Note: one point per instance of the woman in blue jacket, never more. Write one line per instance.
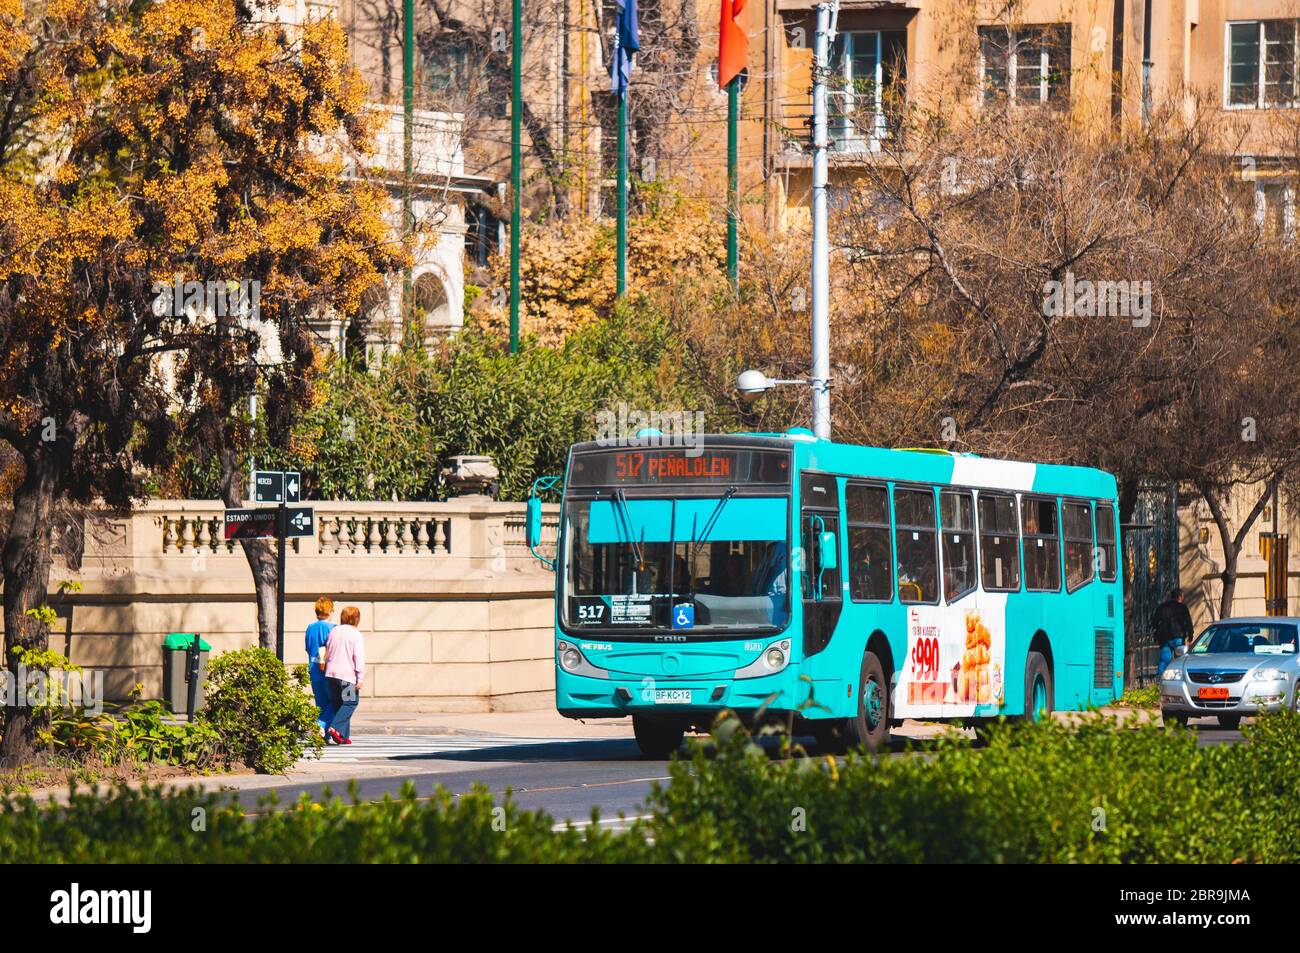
(318, 634)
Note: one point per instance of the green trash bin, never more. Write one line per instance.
(175, 689)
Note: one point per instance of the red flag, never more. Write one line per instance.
(733, 41)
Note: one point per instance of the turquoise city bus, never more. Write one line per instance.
(839, 588)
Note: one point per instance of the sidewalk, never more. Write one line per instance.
(539, 723)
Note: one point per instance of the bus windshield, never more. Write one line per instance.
(635, 564)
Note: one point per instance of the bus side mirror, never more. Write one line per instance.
(533, 530)
(827, 555)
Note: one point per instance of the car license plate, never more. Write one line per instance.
(673, 696)
(1215, 694)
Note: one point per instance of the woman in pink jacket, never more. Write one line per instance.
(345, 671)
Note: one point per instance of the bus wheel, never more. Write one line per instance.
(656, 738)
(870, 728)
(1038, 687)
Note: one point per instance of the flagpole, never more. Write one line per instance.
(733, 188)
(621, 245)
(516, 162)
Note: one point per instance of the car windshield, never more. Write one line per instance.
(1260, 638)
(633, 564)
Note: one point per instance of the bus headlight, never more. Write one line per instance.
(570, 658)
(775, 658)
(777, 655)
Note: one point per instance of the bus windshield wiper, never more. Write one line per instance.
(704, 534)
(712, 520)
(621, 499)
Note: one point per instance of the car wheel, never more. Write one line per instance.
(1038, 688)
(656, 738)
(869, 729)
(1230, 722)
(1179, 720)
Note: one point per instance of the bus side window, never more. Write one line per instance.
(1077, 520)
(1106, 542)
(957, 520)
(1042, 544)
(999, 543)
(870, 558)
(915, 542)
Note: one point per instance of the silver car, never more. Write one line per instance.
(1234, 667)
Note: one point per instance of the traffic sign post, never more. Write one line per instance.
(280, 523)
(281, 529)
(277, 486)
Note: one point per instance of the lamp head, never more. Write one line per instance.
(753, 384)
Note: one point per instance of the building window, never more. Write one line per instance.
(1261, 69)
(868, 68)
(1275, 209)
(446, 67)
(482, 234)
(1029, 64)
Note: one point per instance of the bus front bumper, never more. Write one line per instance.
(619, 695)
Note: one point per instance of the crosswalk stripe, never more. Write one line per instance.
(381, 747)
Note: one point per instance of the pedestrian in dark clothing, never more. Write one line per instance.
(1172, 625)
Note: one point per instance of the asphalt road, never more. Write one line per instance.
(564, 777)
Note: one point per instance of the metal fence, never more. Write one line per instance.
(1150, 571)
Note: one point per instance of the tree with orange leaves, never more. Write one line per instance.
(144, 145)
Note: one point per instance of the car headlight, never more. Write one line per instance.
(570, 657)
(1173, 675)
(1268, 675)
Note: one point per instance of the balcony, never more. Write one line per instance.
(853, 6)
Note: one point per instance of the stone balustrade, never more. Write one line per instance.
(458, 614)
(421, 529)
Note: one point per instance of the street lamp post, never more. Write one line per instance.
(752, 384)
(827, 15)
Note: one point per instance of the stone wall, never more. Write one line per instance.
(457, 614)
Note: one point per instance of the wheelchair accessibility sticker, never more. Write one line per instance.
(684, 616)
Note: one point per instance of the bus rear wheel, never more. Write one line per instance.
(657, 738)
(869, 729)
(1038, 687)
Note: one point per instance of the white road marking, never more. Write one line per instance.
(389, 747)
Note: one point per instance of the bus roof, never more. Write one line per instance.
(920, 465)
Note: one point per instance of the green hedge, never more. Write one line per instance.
(1097, 793)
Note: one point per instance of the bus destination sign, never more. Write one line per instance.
(680, 466)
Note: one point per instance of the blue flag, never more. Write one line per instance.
(626, 42)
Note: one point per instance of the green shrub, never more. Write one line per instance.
(1046, 793)
(1148, 698)
(144, 736)
(264, 715)
(1037, 794)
